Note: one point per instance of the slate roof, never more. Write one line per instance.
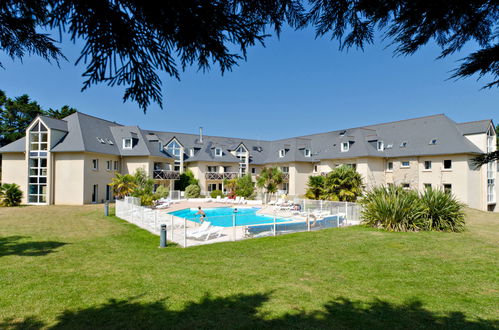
(92, 134)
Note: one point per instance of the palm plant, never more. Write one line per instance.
(269, 179)
(123, 185)
(393, 209)
(344, 184)
(10, 194)
(315, 186)
(443, 211)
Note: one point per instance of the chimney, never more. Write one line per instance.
(200, 135)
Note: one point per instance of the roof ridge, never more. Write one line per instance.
(474, 121)
(79, 130)
(95, 117)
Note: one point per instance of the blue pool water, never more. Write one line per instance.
(222, 216)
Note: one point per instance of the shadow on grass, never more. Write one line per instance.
(12, 245)
(241, 311)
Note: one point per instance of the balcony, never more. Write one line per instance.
(285, 176)
(221, 176)
(165, 175)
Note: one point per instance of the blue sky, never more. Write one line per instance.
(295, 86)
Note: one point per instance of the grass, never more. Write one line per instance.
(69, 267)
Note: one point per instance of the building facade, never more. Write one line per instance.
(71, 161)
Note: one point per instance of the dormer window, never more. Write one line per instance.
(191, 152)
(110, 142)
(433, 141)
(282, 153)
(101, 140)
(345, 146)
(389, 146)
(218, 152)
(342, 133)
(127, 143)
(403, 144)
(307, 153)
(160, 146)
(381, 146)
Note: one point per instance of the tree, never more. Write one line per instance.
(488, 157)
(315, 186)
(343, 183)
(269, 179)
(10, 195)
(123, 185)
(186, 179)
(245, 186)
(129, 43)
(16, 115)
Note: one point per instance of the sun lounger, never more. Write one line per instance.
(212, 230)
(204, 226)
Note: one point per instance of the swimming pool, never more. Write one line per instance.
(222, 216)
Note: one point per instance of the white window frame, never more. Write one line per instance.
(282, 153)
(380, 146)
(388, 169)
(109, 165)
(307, 153)
(116, 165)
(218, 152)
(125, 140)
(95, 164)
(424, 165)
(191, 152)
(345, 146)
(405, 166)
(316, 168)
(285, 169)
(446, 168)
(403, 144)
(253, 170)
(433, 142)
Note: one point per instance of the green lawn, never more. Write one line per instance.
(70, 267)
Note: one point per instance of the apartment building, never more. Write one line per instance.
(71, 161)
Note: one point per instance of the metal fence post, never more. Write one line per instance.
(346, 212)
(233, 226)
(308, 222)
(274, 225)
(185, 232)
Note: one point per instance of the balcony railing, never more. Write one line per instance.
(324, 173)
(165, 175)
(285, 176)
(221, 176)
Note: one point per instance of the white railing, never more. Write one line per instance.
(221, 176)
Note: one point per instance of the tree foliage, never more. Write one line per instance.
(245, 186)
(10, 195)
(343, 183)
(186, 179)
(123, 185)
(192, 191)
(16, 115)
(130, 43)
(269, 179)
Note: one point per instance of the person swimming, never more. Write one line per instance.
(201, 213)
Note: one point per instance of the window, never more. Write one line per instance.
(448, 188)
(108, 193)
(253, 170)
(127, 143)
(285, 169)
(342, 133)
(160, 146)
(116, 165)
(403, 144)
(447, 164)
(285, 187)
(307, 152)
(212, 169)
(381, 146)
(101, 140)
(108, 165)
(433, 142)
(174, 149)
(282, 153)
(427, 185)
(389, 166)
(345, 146)
(406, 164)
(389, 146)
(191, 152)
(406, 186)
(37, 175)
(316, 169)
(95, 191)
(427, 165)
(110, 142)
(95, 164)
(218, 152)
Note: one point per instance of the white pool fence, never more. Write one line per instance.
(310, 215)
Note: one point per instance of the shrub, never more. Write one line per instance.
(315, 185)
(443, 211)
(10, 195)
(216, 193)
(161, 192)
(394, 209)
(192, 191)
(343, 183)
(146, 200)
(186, 179)
(245, 186)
